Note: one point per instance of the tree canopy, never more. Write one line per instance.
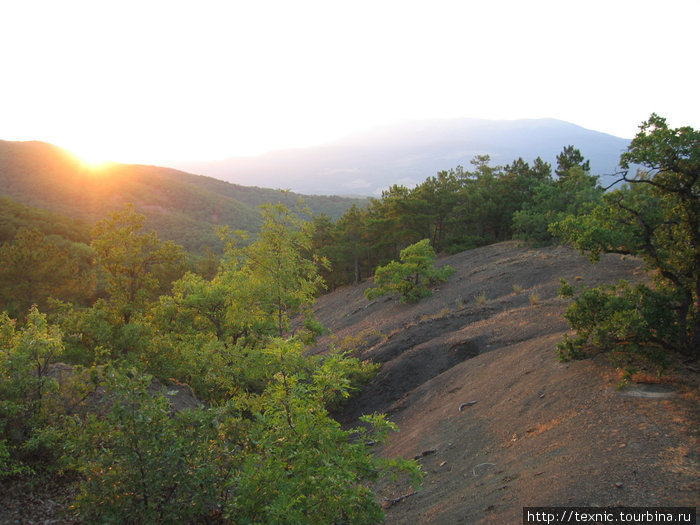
(655, 216)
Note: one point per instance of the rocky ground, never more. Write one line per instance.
(471, 377)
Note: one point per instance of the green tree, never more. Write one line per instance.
(144, 462)
(217, 327)
(436, 197)
(281, 269)
(351, 237)
(552, 201)
(25, 388)
(389, 225)
(656, 217)
(34, 269)
(138, 265)
(301, 466)
(412, 277)
(569, 158)
(271, 457)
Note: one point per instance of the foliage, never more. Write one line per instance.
(138, 265)
(571, 195)
(656, 216)
(627, 322)
(34, 269)
(569, 158)
(280, 267)
(216, 327)
(142, 463)
(266, 450)
(276, 457)
(26, 389)
(412, 277)
(302, 467)
(15, 217)
(458, 210)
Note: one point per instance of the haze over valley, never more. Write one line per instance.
(408, 152)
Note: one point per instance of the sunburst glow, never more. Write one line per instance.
(94, 161)
(254, 76)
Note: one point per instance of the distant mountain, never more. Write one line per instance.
(180, 206)
(409, 152)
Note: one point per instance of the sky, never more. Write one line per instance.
(152, 81)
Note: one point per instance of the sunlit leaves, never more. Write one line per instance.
(137, 265)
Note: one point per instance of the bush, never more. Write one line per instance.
(629, 323)
(273, 457)
(27, 391)
(142, 463)
(412, 277)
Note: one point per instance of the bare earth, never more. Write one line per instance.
(497, 422)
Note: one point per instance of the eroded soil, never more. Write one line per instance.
(471, 377)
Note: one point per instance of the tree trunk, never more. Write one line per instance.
(356, 262)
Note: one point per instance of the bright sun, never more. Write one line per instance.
(93, 160)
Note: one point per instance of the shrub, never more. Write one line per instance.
(273, 457)
(629, 323)
(412, 277)
(27, 391)
(142, 463)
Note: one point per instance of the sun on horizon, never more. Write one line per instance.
(94, 161)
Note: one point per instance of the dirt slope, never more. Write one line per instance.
(497, 422)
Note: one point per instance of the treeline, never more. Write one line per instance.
(457, 210)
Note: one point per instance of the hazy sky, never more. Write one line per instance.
(151, 81)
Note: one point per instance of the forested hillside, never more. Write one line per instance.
(181, 207)
(458, 209)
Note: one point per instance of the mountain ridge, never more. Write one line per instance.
(409, 152)
(180, 206)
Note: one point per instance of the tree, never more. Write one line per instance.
(138, 265)
(552, 201)
(570, 157)
(280, 267)
(33, 269)
(437, 197)
(25, 388)
(656, 216)
(350, 228)
(272, 457)
(412, 277)
(144, 462)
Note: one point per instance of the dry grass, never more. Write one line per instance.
(444, 312)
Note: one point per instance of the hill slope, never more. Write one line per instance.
(409, 152)
(496, 421)
(179, 206)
